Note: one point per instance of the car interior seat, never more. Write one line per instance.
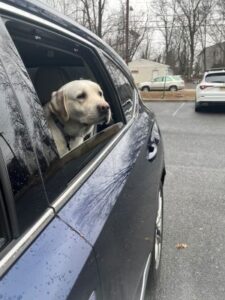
(48, 79)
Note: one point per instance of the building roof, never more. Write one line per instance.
(212, 46)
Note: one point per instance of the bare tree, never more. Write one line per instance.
(109, 25)
(191, 14)
(216, 30)
(165, 16)
(88, 13)
(147, 49)
(116, 38)
(70, 8)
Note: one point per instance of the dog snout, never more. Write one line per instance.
(103, 108)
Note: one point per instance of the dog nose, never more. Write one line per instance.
(103, 108)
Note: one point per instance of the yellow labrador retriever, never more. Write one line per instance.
(73, 111)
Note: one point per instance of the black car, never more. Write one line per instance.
(87, 225)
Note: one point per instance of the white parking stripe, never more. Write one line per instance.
(179, 108)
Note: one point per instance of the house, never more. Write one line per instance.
(212, 57)
(146, 70)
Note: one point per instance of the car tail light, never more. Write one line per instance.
(202, 87)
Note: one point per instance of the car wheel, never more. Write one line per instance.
(145, 89)
(156, 251)
(197, 107)
(173, 88)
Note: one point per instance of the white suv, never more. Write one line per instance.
(211, 90)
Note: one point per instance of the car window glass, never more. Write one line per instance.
(18, 153)
(123, 86)
(216, 78)
(52, 61)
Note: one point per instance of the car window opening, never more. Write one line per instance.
(51, 63)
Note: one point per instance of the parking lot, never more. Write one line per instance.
(194, 208)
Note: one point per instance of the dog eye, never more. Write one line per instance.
(81, 96)
(100, 93)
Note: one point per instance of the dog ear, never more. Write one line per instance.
(58, 105)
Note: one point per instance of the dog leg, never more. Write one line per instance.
(75, 142)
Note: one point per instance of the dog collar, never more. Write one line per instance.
(61, 128)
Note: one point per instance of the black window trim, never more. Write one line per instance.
(15, 249)
(5, 228)
(9, 198)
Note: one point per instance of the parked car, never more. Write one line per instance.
(86, 225)
(171, 83)
(211, 90)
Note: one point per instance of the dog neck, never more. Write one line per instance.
(72, 129)
(75, 129)
(61, 126)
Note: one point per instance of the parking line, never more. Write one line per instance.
(179, 108)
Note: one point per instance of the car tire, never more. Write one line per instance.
(173, 88)
(154, 271)
(145, 89)
(197, 107)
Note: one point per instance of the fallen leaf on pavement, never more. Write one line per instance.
(181, 246)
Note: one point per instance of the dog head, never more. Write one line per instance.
(81, 101)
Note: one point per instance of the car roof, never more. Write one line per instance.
(214, 71)
(41, 10)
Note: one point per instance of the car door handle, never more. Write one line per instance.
(152, 151)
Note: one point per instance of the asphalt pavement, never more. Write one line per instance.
(194, 204)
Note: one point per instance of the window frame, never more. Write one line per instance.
(18, 245)
(4, 224)
(103, 78)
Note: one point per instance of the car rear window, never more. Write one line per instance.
(216, 77)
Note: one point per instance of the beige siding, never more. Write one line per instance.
(144, 70)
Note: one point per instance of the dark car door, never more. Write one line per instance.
(116, 207)
(139, 169)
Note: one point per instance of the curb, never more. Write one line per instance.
(164, 100)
